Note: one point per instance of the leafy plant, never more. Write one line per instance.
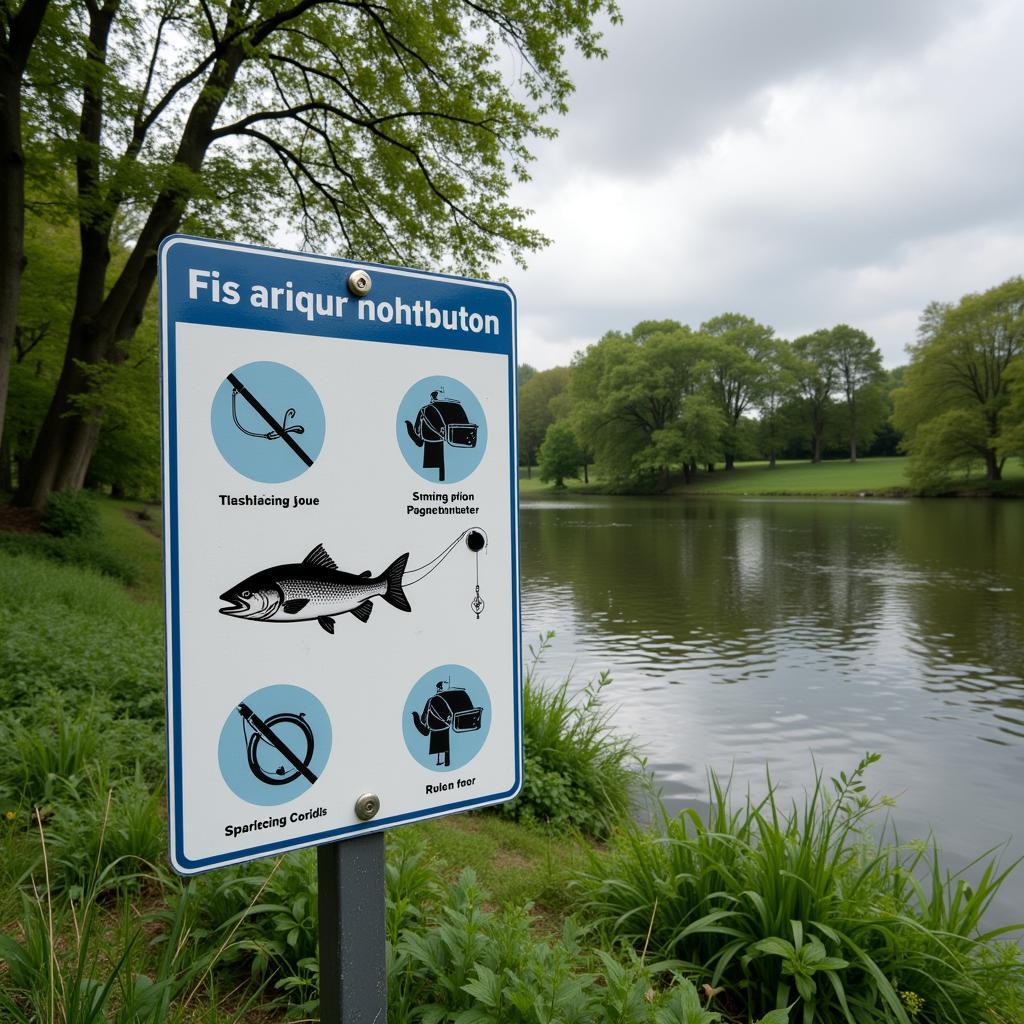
(71, 514)
(579, 773)
(766, 900)
(117, 828)
(43, 759)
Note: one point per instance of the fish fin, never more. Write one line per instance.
(365, 575)
(295, 605)
(327, 622)
(395, 595)
(362, 613)
(319, 558)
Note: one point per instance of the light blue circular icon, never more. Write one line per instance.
(442, 430)
(446, 718)
(268, 422)
(274, 745)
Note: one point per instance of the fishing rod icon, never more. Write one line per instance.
(278, 430)
(263, 731)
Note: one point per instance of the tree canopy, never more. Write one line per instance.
(387, 131)
(956, 400)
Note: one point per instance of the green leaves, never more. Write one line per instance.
(808, 904)
(802, 959)
(956, 406)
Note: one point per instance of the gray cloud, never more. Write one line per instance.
(679, 71)
(805, 163)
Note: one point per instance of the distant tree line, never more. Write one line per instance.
(664, 400)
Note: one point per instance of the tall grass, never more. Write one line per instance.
(800, 905)
(579, 771)
(74, 961)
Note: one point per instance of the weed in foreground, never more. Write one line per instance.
(801, 905)
(579, 772)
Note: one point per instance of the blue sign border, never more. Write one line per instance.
(176, 308)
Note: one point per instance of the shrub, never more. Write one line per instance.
(799, 905)
(85, 552)
(71, 514)
(579, 773)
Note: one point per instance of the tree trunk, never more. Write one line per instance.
(993, 466)
(20, 31)
(853, 429)
(6, 478)
(730, 460)
(68, 438)
(12, 221)
(586, 478)
(687, 473)
(771, 459)
(816, 451)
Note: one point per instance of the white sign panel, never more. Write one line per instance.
(340, 499)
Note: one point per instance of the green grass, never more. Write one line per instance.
(136, 539)
(534, 485)
(515, 864)
(834, 477)
(837, 477)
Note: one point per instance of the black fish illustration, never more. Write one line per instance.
(315, 588)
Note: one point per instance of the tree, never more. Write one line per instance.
(777, 385)
(386, 131)
(858, 368)
(44, 312)
(1011, 439)
(538, 410)
(956, 396)
(524, 373)
(560, 454)
(737, 354)
(815, 376)
(19, 31)
(626, 388)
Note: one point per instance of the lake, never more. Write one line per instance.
(742, 633)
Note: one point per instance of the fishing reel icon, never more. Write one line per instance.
(279, 748)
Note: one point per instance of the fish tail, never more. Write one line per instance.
(395, 595)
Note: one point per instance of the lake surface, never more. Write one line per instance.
(742, 633)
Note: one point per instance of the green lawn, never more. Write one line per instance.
(835, 477)
(138, 539)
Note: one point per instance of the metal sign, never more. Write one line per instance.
(340, 497)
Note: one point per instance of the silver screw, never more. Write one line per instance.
(359, 282)
(367, 806)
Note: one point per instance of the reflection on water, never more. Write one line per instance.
(744, 632)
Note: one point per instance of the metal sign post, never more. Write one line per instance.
(350, 902)
(340, 492)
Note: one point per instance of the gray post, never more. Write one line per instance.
(350, 901)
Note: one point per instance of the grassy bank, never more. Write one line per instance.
(867, 477)
(556, 908)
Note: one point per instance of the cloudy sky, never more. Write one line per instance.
(804, 162)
